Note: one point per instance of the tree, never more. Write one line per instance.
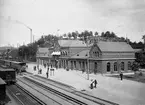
(102, 34)
(135, 66)
(69, 35)
(74, 35)
(112, 35)
(96, 33)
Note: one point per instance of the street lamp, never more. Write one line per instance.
(38, 55)
(87, 40)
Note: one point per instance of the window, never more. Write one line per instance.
(129, 65)
(66, 53)
(96, 54)
(122, 65)
(77, 54)
(80, 64)
(108, 66)
(71, 65)
(115, 66)
(75, 64)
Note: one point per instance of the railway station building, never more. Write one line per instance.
(100, 57)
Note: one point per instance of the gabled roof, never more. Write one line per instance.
(5, 48)
(71, 43)
(2, 82)
(81, 55)
(115, 47)
(44, 50)
(137, 50)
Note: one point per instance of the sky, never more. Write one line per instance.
(125, 18)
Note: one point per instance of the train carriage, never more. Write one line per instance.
(18, 66)
(2, 92)
(8, 75)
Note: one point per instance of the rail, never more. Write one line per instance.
(81, 94)
(58, 92)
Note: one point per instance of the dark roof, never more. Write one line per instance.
(1, 69)
(71, 43)
(82, 54)
(44, 50)
(5, 48)
(137, 50)
(2, 82)
(115, 47)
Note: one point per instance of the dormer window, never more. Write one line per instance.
(96, 54)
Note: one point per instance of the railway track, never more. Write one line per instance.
(66, 97)
(78, 93)
(22, 96)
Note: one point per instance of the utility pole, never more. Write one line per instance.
(87, 40)
(38, 55)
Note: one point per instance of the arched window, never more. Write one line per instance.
(75, 66)
(71, 65)
(63, 53)
(129, 65)
(122, 65)
(108, 66)
(97, 54)
(115, 66)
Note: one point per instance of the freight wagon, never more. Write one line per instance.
(8, 75)
(18, 66)
(2, 92)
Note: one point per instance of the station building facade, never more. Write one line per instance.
(100, 57)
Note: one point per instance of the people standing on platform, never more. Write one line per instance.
(121, 76)
(47, 74)
(40, 71)
(95, 82)
(38, 67)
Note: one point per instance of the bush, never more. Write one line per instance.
(135, 66)
(140, 74)
(67, 69)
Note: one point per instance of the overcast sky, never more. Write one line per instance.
(124, 17)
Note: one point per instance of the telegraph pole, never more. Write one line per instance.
(87, 40)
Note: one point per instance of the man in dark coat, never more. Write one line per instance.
(121, 76)
(95, 82)
(47, 74)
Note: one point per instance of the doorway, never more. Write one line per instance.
(95, 67)
(108, 67)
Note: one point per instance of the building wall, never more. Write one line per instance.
(95, 65)
(104, 65)
(118, 55)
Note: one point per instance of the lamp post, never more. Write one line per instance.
(87, 40)
(38, 56)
